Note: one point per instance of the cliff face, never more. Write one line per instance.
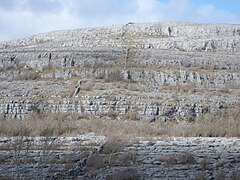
(157, 70)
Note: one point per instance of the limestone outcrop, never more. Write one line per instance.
(88, 157)
(160, 70)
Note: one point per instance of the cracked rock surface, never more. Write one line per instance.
(160, 70)
(88, 157)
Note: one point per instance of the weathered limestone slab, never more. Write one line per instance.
(158, 158)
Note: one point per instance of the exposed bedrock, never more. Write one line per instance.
(155, 69)
(88, 157)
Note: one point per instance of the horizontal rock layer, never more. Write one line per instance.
(158, 70)
(88, 157)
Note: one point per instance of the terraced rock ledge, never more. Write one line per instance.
(134, 101)
(158, 70)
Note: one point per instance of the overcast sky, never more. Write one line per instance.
(21, 18)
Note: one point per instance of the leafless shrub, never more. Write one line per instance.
(190, 118)
(97, 161)
(24, 151)
(129, 174)
(100, 86)
(220, 163)
(220, 175)
(48, 67)
(200, 175)
(28, 76)
(204, 164)
(3, 159)
(100, 74)
(235, 176)
(186, 158)
(19, 64)
(6, 178)
(114, 76)
(126, 159)
(184, 88)
(111, 98)
(68, 161)
(112, 114)
(87, 86)
(112, 146)
(47, 150)
(131, 115)
(81, 116)
(19, 150)
(138, 87)
(10, 67)
(171, 160)
(28, 160)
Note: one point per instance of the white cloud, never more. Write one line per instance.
(209, 13)
(206, 10)
(146, 6)
(19, 18)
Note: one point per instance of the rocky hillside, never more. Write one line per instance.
(154, 71)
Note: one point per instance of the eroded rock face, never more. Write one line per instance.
(95, 157)
(156, 69)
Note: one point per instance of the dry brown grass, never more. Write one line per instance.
(209, 125)
(132, 116)
(37, 125)
(138, 87)
(130, 127)
(112, 114)
(114, 76)
(27, 76)
(188, 87)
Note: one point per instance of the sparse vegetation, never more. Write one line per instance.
(113, 146)
(142, 82)
(20, 153)
(37, 125)
(28, 76)
(200, 175)
(186, 158)
(129, 174)
(227, 124)
(235, 176)
(114, 76)
(112, 114)
(132, 116)
(97, 161)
